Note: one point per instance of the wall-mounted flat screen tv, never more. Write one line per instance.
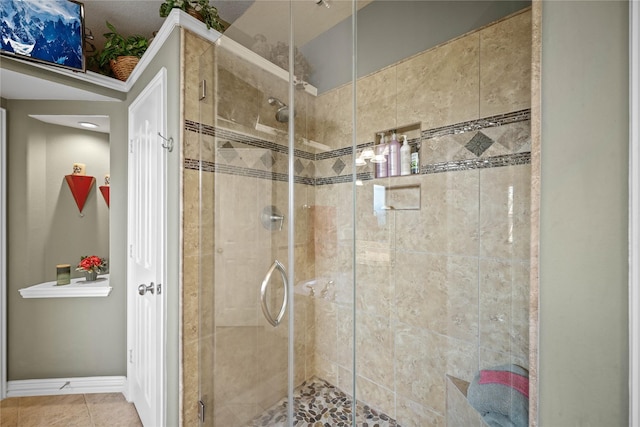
(47, 31)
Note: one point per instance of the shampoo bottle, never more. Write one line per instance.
(381, 158)
(405, 157)
(394, 156)
(415, 161)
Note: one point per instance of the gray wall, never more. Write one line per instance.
(63, 234)
(169, 57)
(583, 265)
(62, 337)
(389, 31)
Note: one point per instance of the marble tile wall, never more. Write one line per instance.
(442, 290)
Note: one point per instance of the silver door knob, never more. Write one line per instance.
(142, 289)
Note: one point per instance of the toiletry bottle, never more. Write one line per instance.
(380, 158)
(394, 156)
(415, 160)
(405, 157)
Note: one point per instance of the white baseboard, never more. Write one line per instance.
(59, 386)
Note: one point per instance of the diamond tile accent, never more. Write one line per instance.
(338, 166)
(228, 152)
(479, 144)
(267, 159)
(298, 166)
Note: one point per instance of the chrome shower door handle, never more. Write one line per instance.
(263, 294)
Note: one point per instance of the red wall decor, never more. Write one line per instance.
(104, 189)
(80, 186)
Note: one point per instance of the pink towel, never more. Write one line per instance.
(515, 381)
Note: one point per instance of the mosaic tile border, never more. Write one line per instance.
(474, 125)
(485, 163)
(205, 166)
(346, 151)
(317, 402)
(453, 166)
(245, 139)
(477, 145)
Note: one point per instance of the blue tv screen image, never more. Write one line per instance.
(50, 31)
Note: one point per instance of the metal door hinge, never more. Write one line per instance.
(130, 356)
(203, 90)
(201, 411)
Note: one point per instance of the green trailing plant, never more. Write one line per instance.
(208, 12)
(118, 45)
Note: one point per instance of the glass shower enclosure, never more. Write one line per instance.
(333, 289)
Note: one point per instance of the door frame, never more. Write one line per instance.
(131, 288)
(634, 213)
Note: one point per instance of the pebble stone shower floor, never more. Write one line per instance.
(317, 403)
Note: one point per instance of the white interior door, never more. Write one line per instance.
(146, 261)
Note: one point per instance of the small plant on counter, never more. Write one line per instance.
(199, 9)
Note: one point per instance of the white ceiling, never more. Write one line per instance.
(102, 122)
(309, 19)
(142, 16)
(268, 17)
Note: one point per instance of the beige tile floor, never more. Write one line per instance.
(77, 410)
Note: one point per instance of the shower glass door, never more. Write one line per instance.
(272, 275)
(244, 319)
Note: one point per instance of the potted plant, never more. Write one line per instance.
(199, 9)
(120, 53)
(91, 266)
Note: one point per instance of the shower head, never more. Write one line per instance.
(282, 115)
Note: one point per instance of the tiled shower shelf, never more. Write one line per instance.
(77, 288)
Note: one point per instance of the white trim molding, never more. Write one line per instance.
(634, 213)
(77, 288)
(60, 386)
